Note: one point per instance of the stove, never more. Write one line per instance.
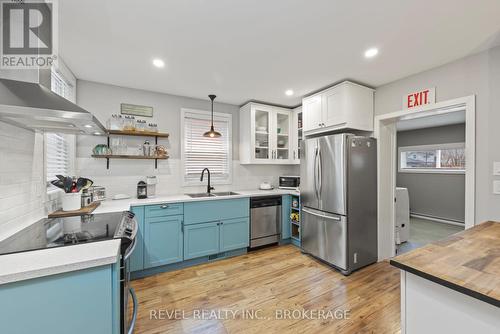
(49, 233)
(66, 232)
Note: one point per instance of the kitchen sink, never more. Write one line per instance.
(225, 193)
(197, 195)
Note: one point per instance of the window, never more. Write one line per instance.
(441, 158)
(58, 152)
(199, 152)
(60, 148)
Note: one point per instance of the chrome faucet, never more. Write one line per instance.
(209, 187)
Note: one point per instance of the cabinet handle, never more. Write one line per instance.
(294, 155)
(164, 206)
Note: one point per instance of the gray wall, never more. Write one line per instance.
(437, 195)
(480, 75)
(104, 100)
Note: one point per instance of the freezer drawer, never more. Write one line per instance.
(324, 236)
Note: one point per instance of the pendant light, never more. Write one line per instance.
(212, 133)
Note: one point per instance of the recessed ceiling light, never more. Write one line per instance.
(158, 63)
(289, 92)
(370, 53)
(97, 133)
(88, 126)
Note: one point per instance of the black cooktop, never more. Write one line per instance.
(48, 233)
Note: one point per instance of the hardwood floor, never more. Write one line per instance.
(266, 284)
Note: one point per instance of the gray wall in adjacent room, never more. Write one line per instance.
(436, 195)
(478, 75)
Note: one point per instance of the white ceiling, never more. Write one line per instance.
(457, 117)
(257, 49)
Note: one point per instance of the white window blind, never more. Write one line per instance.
(57, 155)
(62, 86)
(201, 152)
(59, 147)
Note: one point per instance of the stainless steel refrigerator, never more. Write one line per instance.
(338, 190)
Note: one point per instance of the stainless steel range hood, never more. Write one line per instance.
(35, 107)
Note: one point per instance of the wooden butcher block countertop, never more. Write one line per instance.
(468, 262)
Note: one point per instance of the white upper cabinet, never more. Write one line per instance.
(267, 135)
(344, 106)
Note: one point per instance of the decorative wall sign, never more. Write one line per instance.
(136, 110)
(419, 98)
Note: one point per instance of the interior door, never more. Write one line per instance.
(262, 140)
(308, 174)
(332, 176)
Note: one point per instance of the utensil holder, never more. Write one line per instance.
(71, 201)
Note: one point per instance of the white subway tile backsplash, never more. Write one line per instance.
(22, 186)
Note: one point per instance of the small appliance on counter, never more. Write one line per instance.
(266, 186)
(289, 182)
(151, 182)
(142, 190)
(98, 193)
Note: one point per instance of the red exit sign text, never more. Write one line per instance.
(420, 98)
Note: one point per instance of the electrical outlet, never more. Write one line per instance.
(496, 187)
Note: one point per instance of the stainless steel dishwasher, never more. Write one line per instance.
(265, 220)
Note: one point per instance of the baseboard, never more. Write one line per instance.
(438, 220)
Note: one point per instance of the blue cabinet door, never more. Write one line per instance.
(234, 234)
(78, 302)
(201, 240)
(162, 241)
(286, 228)
(137, 257)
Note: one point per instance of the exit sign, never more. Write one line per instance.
(419, 98)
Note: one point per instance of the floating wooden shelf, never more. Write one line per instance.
(81, 212)
(156, 135)
(135, 157)
(138, 133)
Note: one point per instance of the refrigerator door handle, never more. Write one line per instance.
(315, 172)
(320, 215)
(320, 174)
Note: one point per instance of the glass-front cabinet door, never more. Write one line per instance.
(262, 133)
(282, 135)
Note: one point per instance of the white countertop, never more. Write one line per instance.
(125, 204)
(32, 264)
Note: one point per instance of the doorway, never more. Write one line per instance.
(386, 128)
(430, 179)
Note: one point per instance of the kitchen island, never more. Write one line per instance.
(453, 285)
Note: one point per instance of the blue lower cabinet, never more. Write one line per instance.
(162, 241)
(80, 302)
(137, 258)
(201, 240)
(210, 211)
(234, 234)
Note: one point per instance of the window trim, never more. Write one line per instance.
(214, 179)
(429, 148)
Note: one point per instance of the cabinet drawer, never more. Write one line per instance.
(163, 210)
(215, 210)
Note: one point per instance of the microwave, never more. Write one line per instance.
(289, 182)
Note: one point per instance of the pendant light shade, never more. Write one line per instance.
(212, 133)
